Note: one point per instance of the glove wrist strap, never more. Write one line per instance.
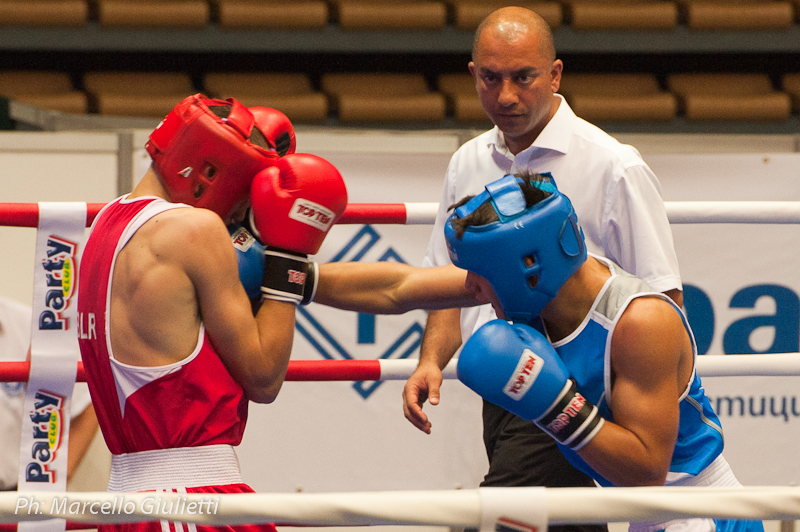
(284, 275)
(312, 279)
(572, 420)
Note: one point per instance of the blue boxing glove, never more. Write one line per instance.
(516, 368)
(250, 255)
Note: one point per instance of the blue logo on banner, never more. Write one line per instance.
(325, 343)
(736, 338)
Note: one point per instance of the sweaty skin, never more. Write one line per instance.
(651, 365)
(162, 291)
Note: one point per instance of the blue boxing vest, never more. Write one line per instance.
(586, 353)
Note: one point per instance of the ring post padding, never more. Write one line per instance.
(421, 213)
(397, 369)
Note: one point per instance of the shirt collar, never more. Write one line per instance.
(556, 135)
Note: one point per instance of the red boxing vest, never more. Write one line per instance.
(191, 403)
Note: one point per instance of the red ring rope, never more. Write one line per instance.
(769, 364)
(299, 370)
(27, 214)
(678, 212)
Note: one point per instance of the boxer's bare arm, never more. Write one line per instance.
(255, 350)
(391, 287)
(182, 270)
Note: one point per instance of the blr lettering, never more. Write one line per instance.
(87, 329)
(567, 414)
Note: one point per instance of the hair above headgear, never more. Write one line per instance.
(528, 253)
(207, 154)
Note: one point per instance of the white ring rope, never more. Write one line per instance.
(455, 508)
(745, 212)
(772, 364)
(678, 212)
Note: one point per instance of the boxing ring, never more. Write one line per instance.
(485, 508)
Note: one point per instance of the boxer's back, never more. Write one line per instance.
(154, 312)
(145, 401)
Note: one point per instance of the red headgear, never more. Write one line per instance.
(207, 152)
(276, 127)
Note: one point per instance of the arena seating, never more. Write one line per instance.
(467, 14)
(647, 15)
(729, 96)
(290, 93)
(272, 14)
(791, 84)
(43, 13)
(48, 90)
(355, 62)
(737, 14)
(618, 97)
(462, 100)
(389, 15)
(401, 98)
(151, 94)
(383, 98)
(153, 13)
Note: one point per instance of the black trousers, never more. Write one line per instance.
(521, 454)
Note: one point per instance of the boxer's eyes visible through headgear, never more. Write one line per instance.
(282, 143)
(209, 172)
(533, 280)
(259, 139)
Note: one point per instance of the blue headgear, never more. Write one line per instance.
(548, 232)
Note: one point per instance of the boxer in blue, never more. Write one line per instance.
(593, 356)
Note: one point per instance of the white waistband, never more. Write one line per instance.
(183, 467)
(717, 473)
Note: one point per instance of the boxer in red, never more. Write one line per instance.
(172, 349)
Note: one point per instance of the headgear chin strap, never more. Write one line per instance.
(206, 158)
(547, 232)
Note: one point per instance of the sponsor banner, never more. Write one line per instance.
(742, 295)
(54, 354)
(513, 510)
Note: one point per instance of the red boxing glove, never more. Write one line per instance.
(276, 127)
(295, 202)
(293, 205)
